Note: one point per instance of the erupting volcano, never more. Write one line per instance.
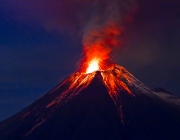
(102, 100)
(97, 103)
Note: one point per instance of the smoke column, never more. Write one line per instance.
(100, 23)
(103, 30)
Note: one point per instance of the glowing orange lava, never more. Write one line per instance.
(93, 66)
(116, 79)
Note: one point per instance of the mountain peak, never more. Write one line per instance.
(109, 104)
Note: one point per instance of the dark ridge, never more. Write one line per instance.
(160, 89)
(92, 115)
(89, 115)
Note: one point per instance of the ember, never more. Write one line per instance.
(93, 66)
(115, 79)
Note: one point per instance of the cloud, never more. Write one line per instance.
(70, 16)
(99, 23)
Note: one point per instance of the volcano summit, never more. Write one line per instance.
(105, 104)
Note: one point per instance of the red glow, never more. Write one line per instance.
(115, 79)
(97, 47)
(93, 66)
(96, 58)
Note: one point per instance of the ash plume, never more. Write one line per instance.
(77, 17)
(103, 30)
(98, 23)
(107, 21)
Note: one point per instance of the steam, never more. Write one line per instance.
(100, 23)
(104, 22)
(103, 30)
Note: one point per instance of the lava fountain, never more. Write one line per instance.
(115, 78)
(97, 59)
(93, 66)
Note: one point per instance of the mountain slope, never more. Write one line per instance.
(92, 110)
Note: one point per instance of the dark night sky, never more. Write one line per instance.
(40, 45)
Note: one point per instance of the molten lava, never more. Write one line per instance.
(116, 79)
(93, 66)
(97, 47)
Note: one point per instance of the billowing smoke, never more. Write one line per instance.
(104, 28)
(107, 21)
(100, 23)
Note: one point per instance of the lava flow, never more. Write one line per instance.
(97, 46)
(115, 79)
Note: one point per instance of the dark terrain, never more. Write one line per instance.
(92, 115)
